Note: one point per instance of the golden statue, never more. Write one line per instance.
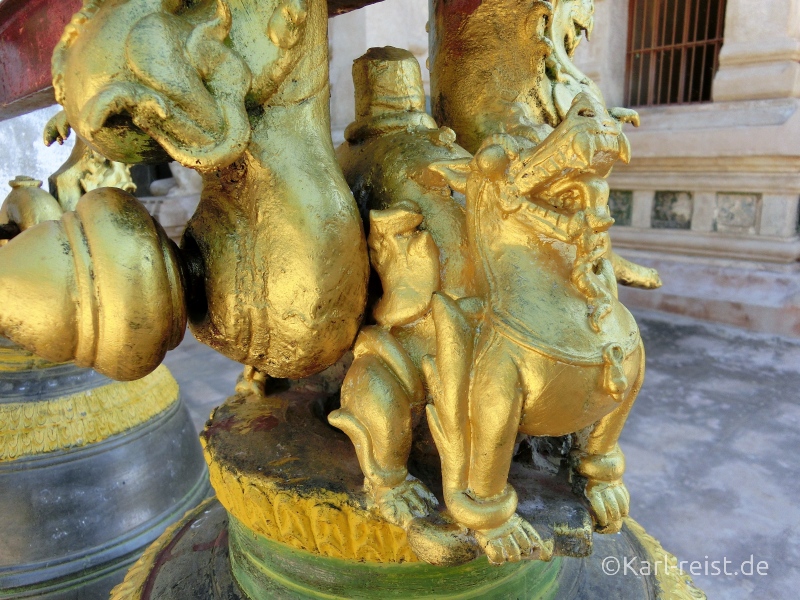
(497, 319)
(70, 433)
(479, 96)
(85, 170)
(272, 270)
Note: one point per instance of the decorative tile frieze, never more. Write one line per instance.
(779, 215)
(620, 204)
(737, 213)
(672, 210)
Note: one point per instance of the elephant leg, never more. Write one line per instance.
(598, 459)
(252, 382)
(377, 396)
(489, 505)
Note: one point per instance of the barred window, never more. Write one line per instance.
(673, 50)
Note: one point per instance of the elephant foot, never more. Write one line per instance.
(252, 382)
(513, 541)
(610, 502)
(404, 502)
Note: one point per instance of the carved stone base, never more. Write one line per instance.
(283, 472)
(293, 521)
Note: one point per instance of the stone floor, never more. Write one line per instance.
(709, 446)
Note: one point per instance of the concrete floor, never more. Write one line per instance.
(710, 447)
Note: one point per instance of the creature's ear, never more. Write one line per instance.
(455, 172)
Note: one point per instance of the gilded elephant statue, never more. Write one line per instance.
(272, 269)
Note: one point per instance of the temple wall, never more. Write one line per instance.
(711, 195)
(22, 151)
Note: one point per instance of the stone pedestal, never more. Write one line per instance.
(292, 520)
(91, 472)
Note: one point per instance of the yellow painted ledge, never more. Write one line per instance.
(323, 522)
(671, 580)
(286, 475)
(29, 428)
(14, 360)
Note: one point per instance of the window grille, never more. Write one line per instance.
(673, 50)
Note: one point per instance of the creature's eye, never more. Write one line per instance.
(587, 112)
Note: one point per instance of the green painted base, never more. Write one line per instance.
(211, 556)
(267, 569)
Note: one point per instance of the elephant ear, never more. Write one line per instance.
(192, 106)
(455, 172)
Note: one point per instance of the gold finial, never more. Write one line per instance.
(23, 181)
(387, 80)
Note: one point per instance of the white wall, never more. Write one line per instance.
(399, 23)
(603, 58)
(22, 151)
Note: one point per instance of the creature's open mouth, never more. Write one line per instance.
(550, 216)
(556, 211)
(583, 26)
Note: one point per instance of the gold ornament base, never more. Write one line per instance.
(283, 472)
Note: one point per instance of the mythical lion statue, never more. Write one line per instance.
(499, 314)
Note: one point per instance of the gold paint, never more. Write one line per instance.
(64, 283)
(504, 302)
(278, 229)
(102, 286)
(479, 87)
(672, 582)
(84, 171)
(132, 587)
(28, 204)
(33, 428)
(273, 267)
(634, 275)
(320, 521)
(87, 170)
(15, 360)
(499, 313)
